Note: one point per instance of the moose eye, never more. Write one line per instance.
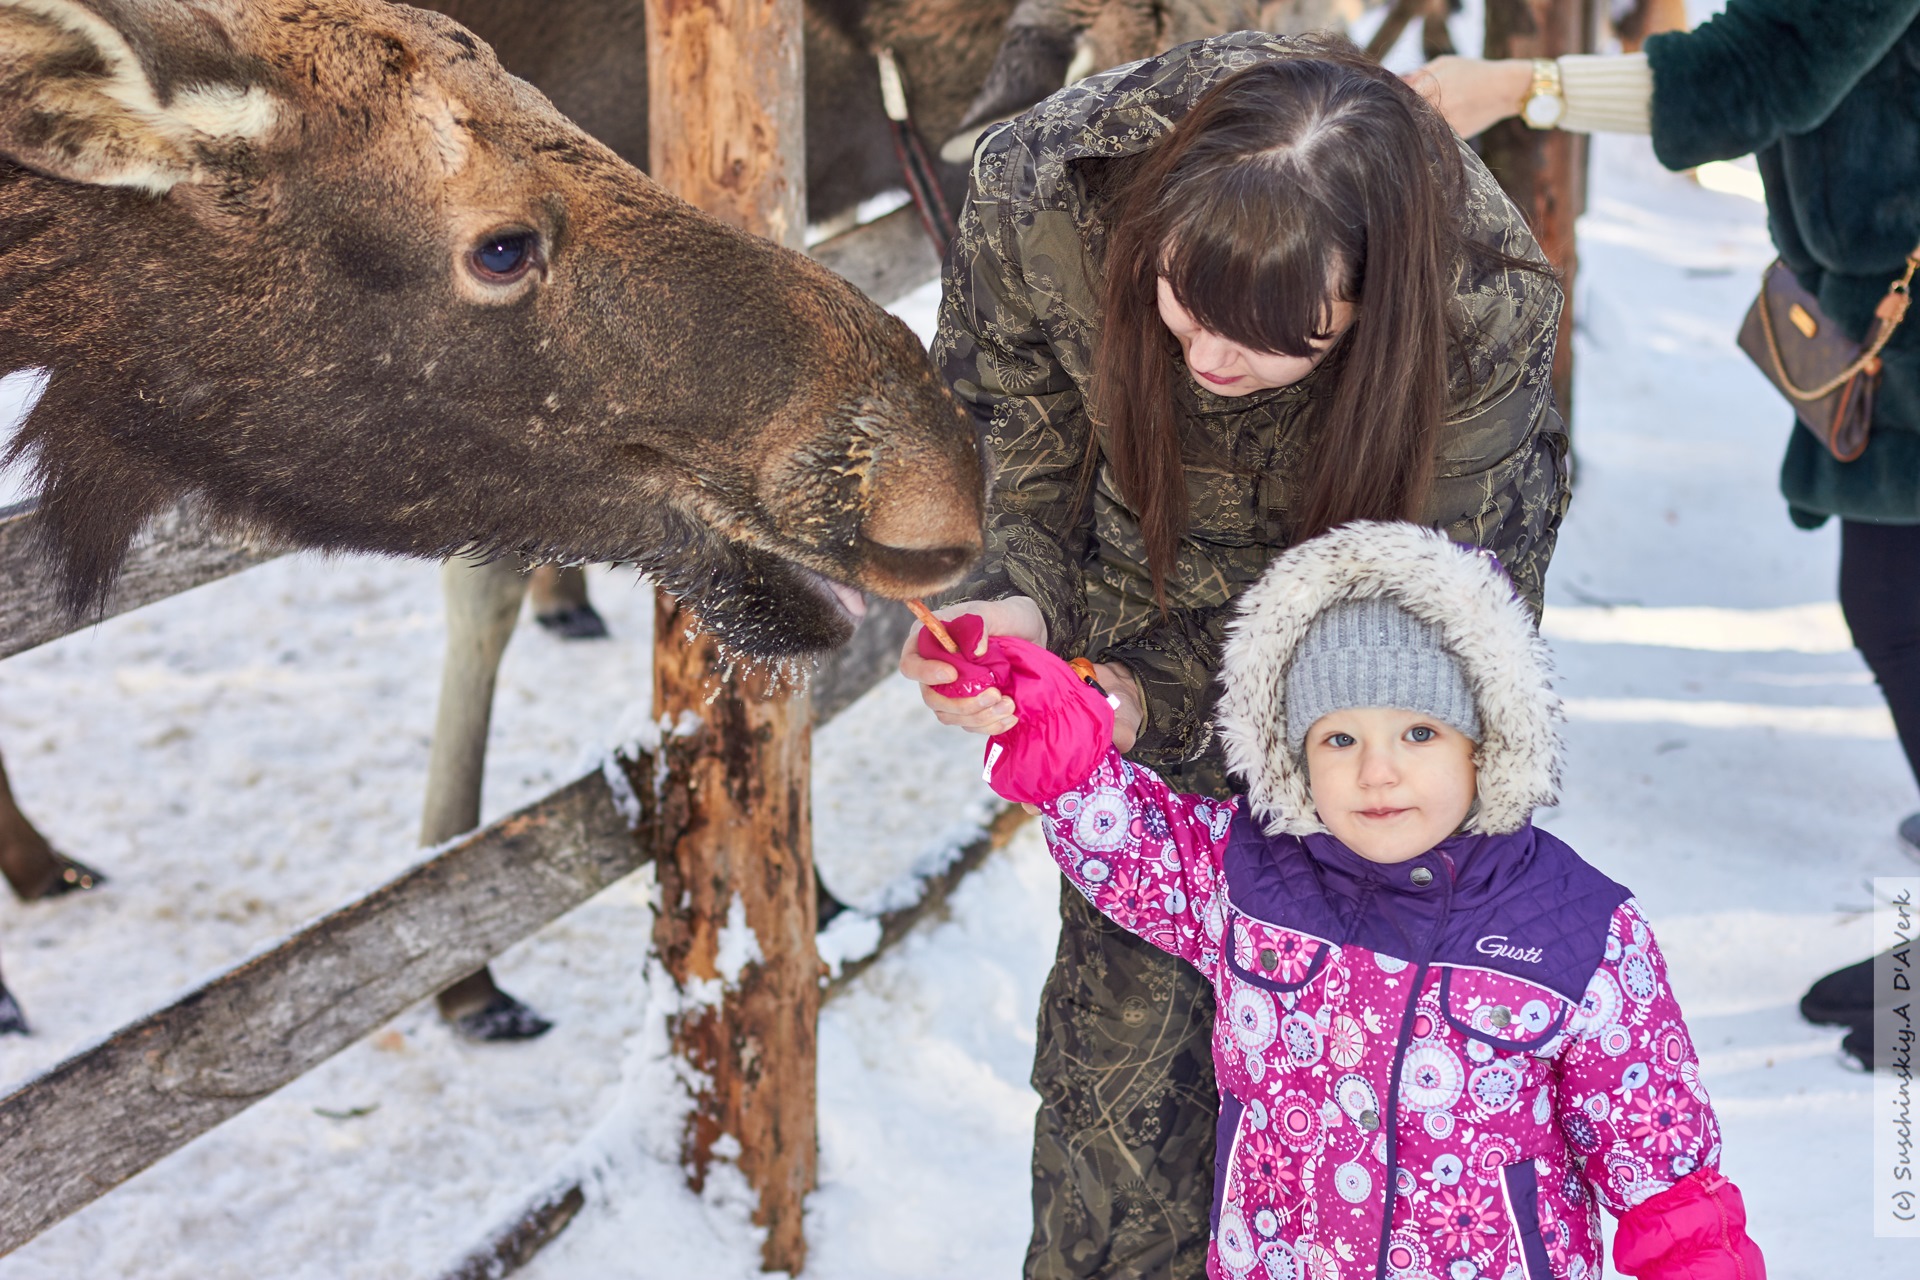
(504, 256)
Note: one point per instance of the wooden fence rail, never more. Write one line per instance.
(177, 551)
(102, 1116)
(105, 1114)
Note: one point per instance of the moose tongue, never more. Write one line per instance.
(850, 599)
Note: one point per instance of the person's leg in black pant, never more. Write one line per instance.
(1880, 596)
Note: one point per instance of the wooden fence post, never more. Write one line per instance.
(1543, 170)
(725, 105)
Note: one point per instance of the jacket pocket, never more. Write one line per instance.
(1272, 958)
(1226, 1138)
(1520, 1183)
(1510, 1014)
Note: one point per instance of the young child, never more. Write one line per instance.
(1443, 1040)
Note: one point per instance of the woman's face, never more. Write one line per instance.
(1228, 369)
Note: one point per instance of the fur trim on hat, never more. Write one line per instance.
(1461, 591)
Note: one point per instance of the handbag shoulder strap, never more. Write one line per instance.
(1893, 308)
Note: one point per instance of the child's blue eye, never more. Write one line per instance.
(1420, 733)
(1339, 739)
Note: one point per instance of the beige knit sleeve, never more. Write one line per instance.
(1607, 93)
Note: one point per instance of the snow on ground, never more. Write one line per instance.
(245, 757)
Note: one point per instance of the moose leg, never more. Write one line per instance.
(483, 602)
(31, 865)
(560, 603)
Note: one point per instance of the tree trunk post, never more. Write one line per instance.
(736, 923)
(1543, 170)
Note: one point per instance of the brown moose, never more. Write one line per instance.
(324, 265)
(965, 61)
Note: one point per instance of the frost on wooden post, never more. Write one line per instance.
(626, 802)
(736, 929)
(738, 945)
(651, 740)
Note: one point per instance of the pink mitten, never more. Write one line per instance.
(1064, 726)
(1694, 1230)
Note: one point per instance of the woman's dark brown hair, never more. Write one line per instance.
(1295, 182)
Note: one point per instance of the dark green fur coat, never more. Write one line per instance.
(1827, 93)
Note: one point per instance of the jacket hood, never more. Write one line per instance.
(1461, 591)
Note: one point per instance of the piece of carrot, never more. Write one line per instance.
(934, 625)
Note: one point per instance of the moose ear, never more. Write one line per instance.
(79, 101)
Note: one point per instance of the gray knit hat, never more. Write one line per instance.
(1373, 653)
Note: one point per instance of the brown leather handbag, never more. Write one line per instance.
(1828, 378)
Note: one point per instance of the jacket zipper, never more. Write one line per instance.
(1393, 1113)
(1400, 1044)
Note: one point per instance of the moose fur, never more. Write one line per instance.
(243, 237)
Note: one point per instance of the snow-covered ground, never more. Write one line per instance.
(249, 755)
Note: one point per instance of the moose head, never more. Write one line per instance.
(324, 265)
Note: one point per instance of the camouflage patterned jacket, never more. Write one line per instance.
(1018, 329)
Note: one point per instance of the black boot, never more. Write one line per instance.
(1844, 998)
(75, 877)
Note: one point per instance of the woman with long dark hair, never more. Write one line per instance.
(1203, 307)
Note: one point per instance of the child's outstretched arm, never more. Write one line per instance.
(1639, 1121)
(1146, 856)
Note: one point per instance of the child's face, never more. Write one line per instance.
(1389, 784)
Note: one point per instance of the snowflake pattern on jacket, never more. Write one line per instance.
(1486, 1032)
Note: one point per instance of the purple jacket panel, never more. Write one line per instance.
(1522, 904)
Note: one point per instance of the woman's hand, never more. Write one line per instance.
(1472, 93)
(990, 711)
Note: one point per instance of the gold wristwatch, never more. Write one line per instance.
(1546, 101)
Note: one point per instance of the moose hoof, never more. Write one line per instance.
(74, 877)
(503, 1018)
(575, 622)
(12, 1021)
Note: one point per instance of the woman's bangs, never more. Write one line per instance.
(1267, 287)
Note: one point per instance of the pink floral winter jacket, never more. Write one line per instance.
(1438, 1068)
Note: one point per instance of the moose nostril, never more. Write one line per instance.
(911, 570)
